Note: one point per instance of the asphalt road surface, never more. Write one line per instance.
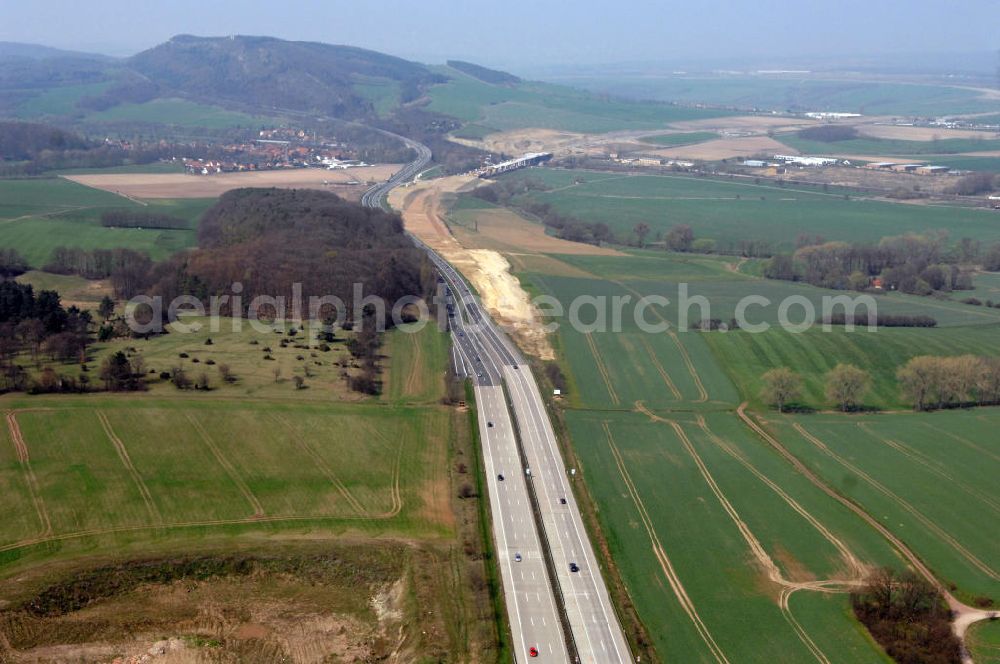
(534, 489)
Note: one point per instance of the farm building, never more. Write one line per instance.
(755, 163)
(933, 170)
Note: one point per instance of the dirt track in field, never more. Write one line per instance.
(21, 447)
(182, 185)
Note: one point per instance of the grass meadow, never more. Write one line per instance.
(98, 471)
(38, 215)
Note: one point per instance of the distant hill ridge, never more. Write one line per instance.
(269, 72)
(484, 74)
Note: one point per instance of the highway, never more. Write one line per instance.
(557, 580)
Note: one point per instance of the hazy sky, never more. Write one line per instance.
(511, 32)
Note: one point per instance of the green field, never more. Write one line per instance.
(383, 93)
(965, 163)
(728, 211)
(58, 101)
(983, 640)
(257, 455)
(721, 543)
(702, 493)
(683, 138)
(796, 93)
(811, 354)
(929, 477)
(38, 215)
(540, 105)
(882, 147)
(178, 112)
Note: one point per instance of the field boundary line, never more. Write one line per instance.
(661, 370)
(917, 514)
(258, 509)
(123, 455)
(23, 457)
(602, 369)
(661, 555)
(323, 467)
(929, 463)
(249, 521)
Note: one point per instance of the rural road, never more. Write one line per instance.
(567, 615)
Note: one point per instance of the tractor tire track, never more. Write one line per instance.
(702, 392)
(602, 369)
(250, 520)
(881, 488)
(961, 610)
(24, 458)
(857, 568)
(661, 555)
(930, 464)
(258, 509)
(123, 455)
(661, 370)
(322, 466)
(964, 441)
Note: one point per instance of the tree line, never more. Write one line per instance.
(925, 381)
(123, 218)
(917, 264)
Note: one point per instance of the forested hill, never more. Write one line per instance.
(247, 214)
(265, 72)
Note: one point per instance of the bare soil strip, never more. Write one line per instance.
(659, 368)
(323, 467)
(881, 488)
(24, 458)
(602, 369)
(140, 484)
(258, 510)
(930, 464)
(668, 569)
